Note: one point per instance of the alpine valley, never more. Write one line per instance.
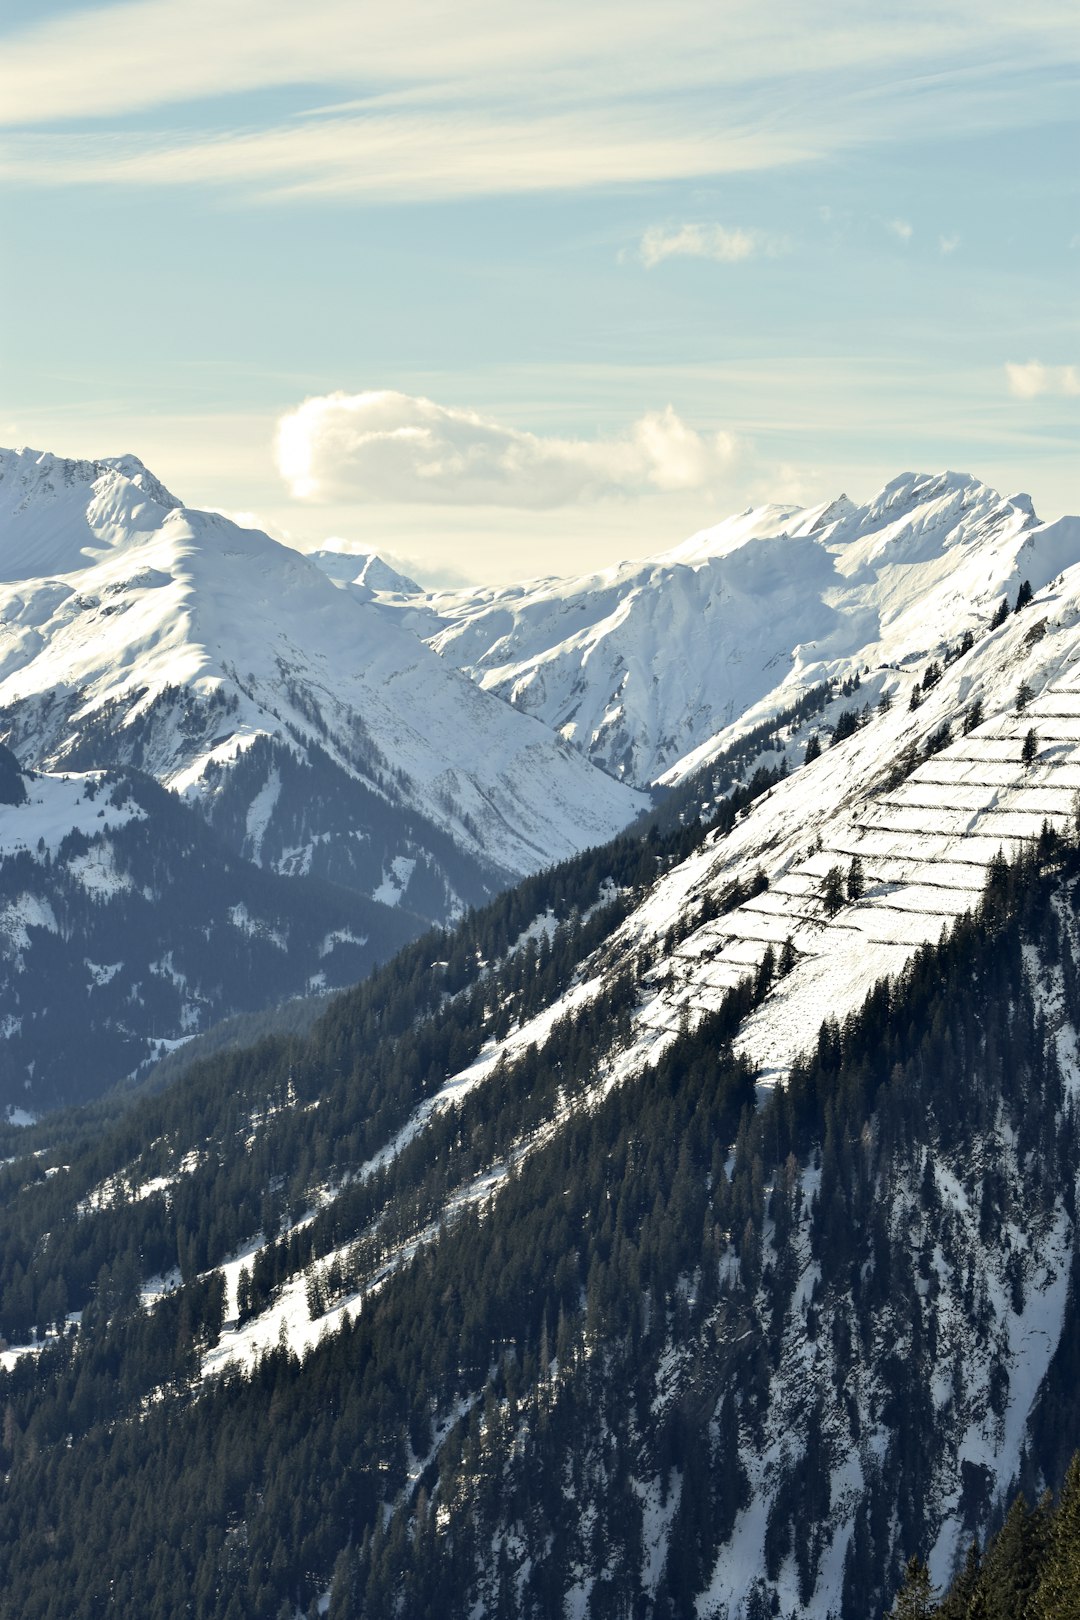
(675, 1213)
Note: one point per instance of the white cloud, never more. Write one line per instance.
(402, 156)
(727, 245)
(902, 228)
(948, 244)
(391, 447)
(483, 97)
(1031, 379)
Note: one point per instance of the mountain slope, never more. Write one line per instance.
(643, 663)
(136, 631)
(126, 926)
(690, 1232)
(632, 1376)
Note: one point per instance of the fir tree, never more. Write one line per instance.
(1029, 751)
(832, 891)
(961, 1600)
(1023, 595)
(813, 748)
(916, 1599)
(856, 879)
(1058, 1596)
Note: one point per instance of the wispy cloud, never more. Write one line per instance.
(420, 100)
(724, 244)
(403, 157)
(391, 447)
(1031, 379)
(902, 229)
(948, 245)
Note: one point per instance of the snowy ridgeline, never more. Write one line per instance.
(188, 636)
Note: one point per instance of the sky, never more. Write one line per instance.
(501, 289)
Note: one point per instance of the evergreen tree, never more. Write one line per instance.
(916, 1599)
(1058, 1595)
(856, 879)
(832, 891)
(847, 724)
(1023, 697)
(1013, 1564)
(1001, 613)
(961, 1599)
(1023, 595)
(813, 748)
(1030, 749)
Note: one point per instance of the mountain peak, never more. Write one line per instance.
(47, 473)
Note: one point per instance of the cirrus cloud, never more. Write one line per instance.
(385, 446)
(1031, 379)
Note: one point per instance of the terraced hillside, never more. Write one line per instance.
(923, 817)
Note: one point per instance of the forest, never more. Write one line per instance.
(521, 1390)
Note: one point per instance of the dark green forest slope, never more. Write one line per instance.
(678, 1312)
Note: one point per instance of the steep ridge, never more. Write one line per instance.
(642, 665)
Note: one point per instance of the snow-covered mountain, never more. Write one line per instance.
(641, 664)
(133, 630)
(695, 1234)
(126, 926)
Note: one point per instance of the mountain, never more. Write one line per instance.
(641, 664)
(136, 631)
(313, 738)
(690, 1231)
(126, 926)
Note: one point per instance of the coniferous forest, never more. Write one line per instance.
(565, 1387)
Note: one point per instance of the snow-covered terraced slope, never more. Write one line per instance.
(646, 665)
(924, 842)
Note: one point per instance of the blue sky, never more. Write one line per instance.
(504, 289)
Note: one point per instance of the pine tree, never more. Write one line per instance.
(856, 879)
(813, 748)
(1013, 1563)
(1001, 613)
(916, 1599)
(1023, 696)
(1023, 595)
(1058, 1596)
(832, 891)
(1029, 751)
(962, 1598)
